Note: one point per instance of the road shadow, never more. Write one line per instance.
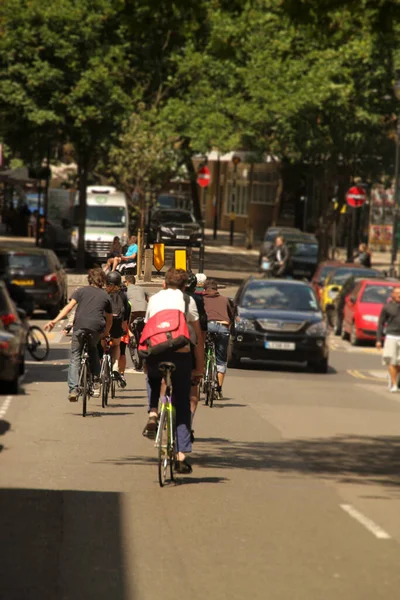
(4, 427)
(345, 459)
(61, 544)
(285, 367)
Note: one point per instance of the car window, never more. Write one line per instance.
(340, 275)
(376, 294)
(325, 271)
(302, 249)
(28, 262)
(278, 296)
(175, 217)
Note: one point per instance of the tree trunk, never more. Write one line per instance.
(83, 177)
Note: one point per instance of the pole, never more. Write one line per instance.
(396, 205)
(216, 197)
(233, 206)
(38, 216)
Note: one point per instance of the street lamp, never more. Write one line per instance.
(396, 89)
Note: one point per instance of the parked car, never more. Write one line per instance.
(362, 309)
(278, 320)
(175, 227)
(40, 273)
(303, 248)
(12, 343)
(324, 269)
(333, 283)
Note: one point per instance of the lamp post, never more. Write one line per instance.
(396, 89)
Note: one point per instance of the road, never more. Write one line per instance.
(294, 492)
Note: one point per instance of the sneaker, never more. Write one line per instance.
(122, 380)
(394, 389)
(219, 393)
(96, 388)
(115, 371)
(73, 396)
(183, 466)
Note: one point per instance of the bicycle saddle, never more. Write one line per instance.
(166, 366)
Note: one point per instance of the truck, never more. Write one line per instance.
(107, 216)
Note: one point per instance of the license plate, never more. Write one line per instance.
(280, 345)
(266, 265)
(23, 282)
(183, 237)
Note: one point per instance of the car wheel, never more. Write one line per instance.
(10, 387)
(320, 366)
(343, 334)
(353, 336)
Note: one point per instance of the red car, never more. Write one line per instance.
(362, 308)
(323, 270)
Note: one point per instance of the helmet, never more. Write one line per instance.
(191, 283)
(201, 278)
(113, 278)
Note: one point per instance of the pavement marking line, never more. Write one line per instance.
(377, 531)
(5, 406)
(359, 375)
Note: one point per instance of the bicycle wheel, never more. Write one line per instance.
(113, 384)
(172, 445)
(85, 389)
(105, 386)
(137, 361)
(37, 343)
(163, 448)
(213, 385)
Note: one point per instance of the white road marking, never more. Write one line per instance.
(377, 531)
(5, 406)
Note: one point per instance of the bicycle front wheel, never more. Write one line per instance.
(105, 386)
(37, 343)
(85, 388)
(113, 384)
(163, 448)
(137, 361)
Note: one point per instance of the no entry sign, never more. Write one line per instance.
(203, 177)
(356, 196)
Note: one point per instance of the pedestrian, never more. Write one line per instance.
(199, 300)
(389, 321)
(171, 298)
(282, 257)
(94, 316)
(220, 316)
(363, 256)
(201, 278)
(115, 252)
(33, 224)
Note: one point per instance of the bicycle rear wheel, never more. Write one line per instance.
(163, 449)
(85, 389)
(137, 361)
(105, 386)
(113, 385)
(37, 343)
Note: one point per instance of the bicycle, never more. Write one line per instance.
(210, 383)
(136, 328)
(165, 437)
(37, 343)
(106, 379)
(85, 385)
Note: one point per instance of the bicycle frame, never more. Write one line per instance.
(165, 405)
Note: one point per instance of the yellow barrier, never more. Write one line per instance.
(180, 259)
(159, 256)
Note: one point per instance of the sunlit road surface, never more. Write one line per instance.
(294, 492)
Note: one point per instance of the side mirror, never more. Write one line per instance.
(335, 289)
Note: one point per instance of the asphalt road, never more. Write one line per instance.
(294, 492)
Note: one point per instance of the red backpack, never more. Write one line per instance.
(166, 330)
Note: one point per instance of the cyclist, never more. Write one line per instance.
(199, 300)
(220, 316)
(172, 297)
(93, 315)
(120, 313)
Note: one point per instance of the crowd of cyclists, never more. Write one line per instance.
(109, 309)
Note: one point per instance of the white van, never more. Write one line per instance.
(106, 217)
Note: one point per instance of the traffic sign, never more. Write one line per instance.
(356, 196)
(204, 177)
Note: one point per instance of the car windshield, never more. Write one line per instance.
(175, 217)
(105, 216)
(28, 263)
(279, 296)
(340, 276)
(325, 271)
(302, 249)
(376, 294)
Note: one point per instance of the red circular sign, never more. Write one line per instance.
(356, 196)
(203, 177)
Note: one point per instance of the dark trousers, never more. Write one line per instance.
(181, 382)
(76, 350)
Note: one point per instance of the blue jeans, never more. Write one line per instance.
(181, 382)
(221, 339)
(76, 350)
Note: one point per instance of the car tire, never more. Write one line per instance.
(354, 341)
(10, 387)
(343, 334)
(22, 365)
(320, 366)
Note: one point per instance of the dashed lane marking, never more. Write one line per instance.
(360, 375)
(5, 406)
(372, 527)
